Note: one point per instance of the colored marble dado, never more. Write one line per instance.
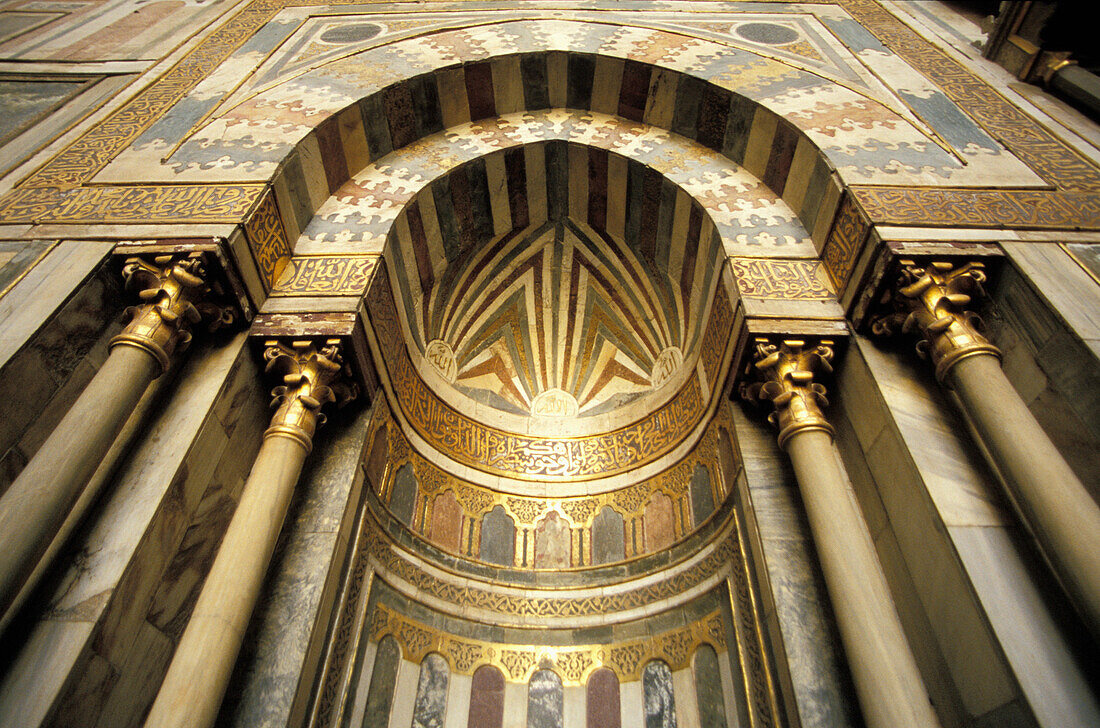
(623, 524)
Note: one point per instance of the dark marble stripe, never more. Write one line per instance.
(738, 123)
(714, 111)
(597, 188)
(779, 163)
(536, 84)
(815, 190)
(376, 126)
(332, 154)
(479, 89)
(420, 246)
(665, 213)
(557, 179)
(515, 169)
(477, 178)
(445, 214)
(458, 183)
(634, 90)
(299, 194)
(397, 103)
(650, 203)
(425, 103)
(635, 176)
(685, 115)
(579, 74)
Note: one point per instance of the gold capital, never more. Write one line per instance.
(932, 300)
(176, 294)
(312, 374)
(785, 372)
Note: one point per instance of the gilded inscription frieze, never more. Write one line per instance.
(521, 456)
(719, 332)
(1041, 209)
(334, 275)
(780, 280)
(573, 663)
(267, 240)
(130, 204)
(578, 513)
(845, 242)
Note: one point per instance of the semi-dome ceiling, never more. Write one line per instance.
(560, 314)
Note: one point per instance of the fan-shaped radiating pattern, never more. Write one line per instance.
(536, 290)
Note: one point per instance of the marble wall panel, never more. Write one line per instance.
(498, 533)
(486, 698)
(380, 694)
(608, 544)
(115, 584)
(1051, 343)
(660, 528)
(602, 701)
(446, 526)
(403, 495)
(430, 709)
(545, 700)
(814, 678)
(272, 680)
(708, 689)
(702, 495)
(553, 542)
(54, 325)
(659, 697)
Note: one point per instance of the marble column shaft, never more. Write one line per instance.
(43, 496)
(199, 673)
(932, 300)
(889, 684)
(1053, 502)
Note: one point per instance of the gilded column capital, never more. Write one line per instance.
(176, 295)
(312, 375)
(785, 373)
(931, 299)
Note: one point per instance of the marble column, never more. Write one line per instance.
(191, 694)
(889, 685)
(931, 300)
(176, 296)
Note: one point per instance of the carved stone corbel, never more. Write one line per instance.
(931, 301)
